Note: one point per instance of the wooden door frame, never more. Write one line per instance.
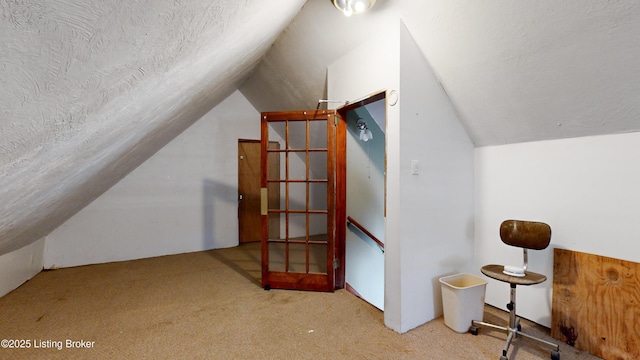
(341, 182)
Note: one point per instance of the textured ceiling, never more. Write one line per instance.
(90, 90)
(516, 71)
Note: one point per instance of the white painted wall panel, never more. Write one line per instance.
(182, 199)
(585, 188)
(436, 209)
(20, 265)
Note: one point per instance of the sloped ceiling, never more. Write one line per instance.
(91, 89)
(516, 71)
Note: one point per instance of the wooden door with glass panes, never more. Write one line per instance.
(302, 256)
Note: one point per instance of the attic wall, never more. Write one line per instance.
(90, 92)
(21, 265)
(429, 216)
(182, 199)
(586, 189)
(436, 211)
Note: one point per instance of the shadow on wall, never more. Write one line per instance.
(213, 192)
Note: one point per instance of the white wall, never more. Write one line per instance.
(436, 206)
(182, 199)
(350, 78)
(428, 228)
(20, 265)
(585, 188)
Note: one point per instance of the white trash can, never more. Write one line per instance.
(462, 300)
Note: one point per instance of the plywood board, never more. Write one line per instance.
(596, 304)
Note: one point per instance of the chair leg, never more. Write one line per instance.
(513, 320)
(514, 329)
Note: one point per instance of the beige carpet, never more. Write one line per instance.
(209, 305)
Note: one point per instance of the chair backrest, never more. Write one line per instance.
(525, 234)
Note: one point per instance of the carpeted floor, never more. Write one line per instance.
(209, 305)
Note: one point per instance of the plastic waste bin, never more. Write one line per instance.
(463, 300)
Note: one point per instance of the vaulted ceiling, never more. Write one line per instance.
(515, 71)
(90, 91)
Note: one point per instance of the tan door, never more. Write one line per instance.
(249, 221)
(301, 257)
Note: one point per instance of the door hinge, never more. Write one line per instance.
(336, 263)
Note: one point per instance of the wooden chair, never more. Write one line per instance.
(526, 235)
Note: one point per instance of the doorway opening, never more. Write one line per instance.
(361, 188)
(329, 199)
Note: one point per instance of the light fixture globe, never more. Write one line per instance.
(350, 7)
(365, 133)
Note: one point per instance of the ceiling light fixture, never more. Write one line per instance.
(365, 133)
(350, 7)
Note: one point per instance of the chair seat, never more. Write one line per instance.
(495, 272)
